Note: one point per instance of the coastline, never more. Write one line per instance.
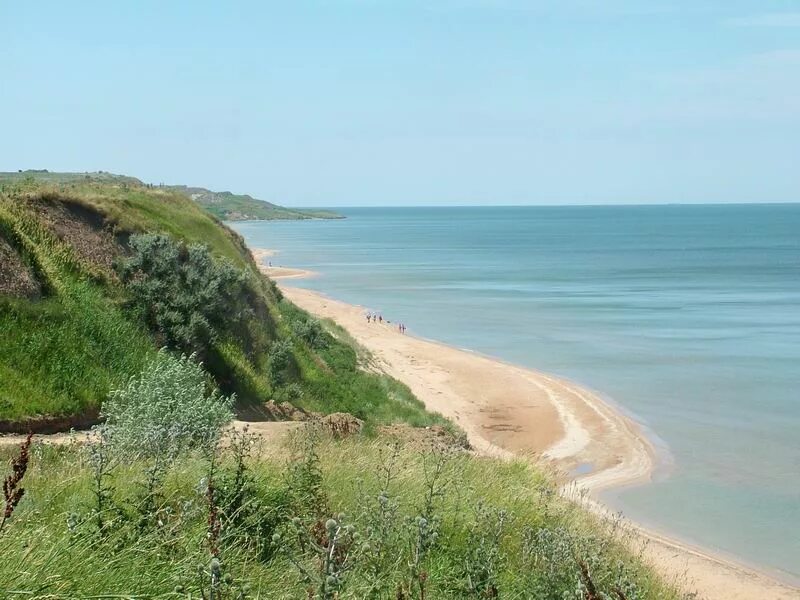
(507, 410)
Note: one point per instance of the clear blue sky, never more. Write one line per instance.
(353, 102)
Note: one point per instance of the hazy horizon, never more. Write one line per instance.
(448, 102)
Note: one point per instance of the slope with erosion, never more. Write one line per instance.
(72, 332)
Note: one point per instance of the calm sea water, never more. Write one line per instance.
(686, 316)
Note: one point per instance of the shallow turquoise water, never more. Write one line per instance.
(686, 316)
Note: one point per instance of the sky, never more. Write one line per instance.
(412, 102)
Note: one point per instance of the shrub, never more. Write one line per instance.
(186, 296)
(279, 362)
(311, 332)
(166, 408)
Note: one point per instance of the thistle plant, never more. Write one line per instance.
(12, 491)
(102, 463)
(425, 526)
(625, 586)
(304, 477)
(560, 558)
(382, 533)
(249, 510)
(214, 582)
(150, 498)
(436, 482)
(236, 488)
(484, 560)
(426, 534)
(214, 523)
(547, 555)
(331, 543)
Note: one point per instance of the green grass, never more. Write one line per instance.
(55, 177)
(336, 379)
(60, 356)
(239, 207)
(225, 206)
(63, 353)
(52, 548)
(144, 209)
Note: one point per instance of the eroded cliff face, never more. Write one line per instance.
(17, 277)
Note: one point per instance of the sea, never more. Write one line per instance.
(685, 316)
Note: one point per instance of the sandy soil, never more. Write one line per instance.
(509, 411)
(273, 432)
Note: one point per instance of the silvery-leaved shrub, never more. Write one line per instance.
(186, 295)
(165, 409)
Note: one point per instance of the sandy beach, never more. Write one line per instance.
(507, 410)
(263, 256)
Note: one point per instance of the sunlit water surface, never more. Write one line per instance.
(688, 317)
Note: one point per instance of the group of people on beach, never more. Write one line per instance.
(378, 318)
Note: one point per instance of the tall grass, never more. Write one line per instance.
(488, 529)
(60, 356)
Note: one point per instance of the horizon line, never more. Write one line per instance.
(570, 205)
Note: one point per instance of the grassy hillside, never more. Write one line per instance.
(46, 176)
(226, 206)
(76, 323)
(241, 207)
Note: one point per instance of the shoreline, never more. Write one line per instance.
(508, 410)
(278, 272)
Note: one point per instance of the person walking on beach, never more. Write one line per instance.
(369, 317)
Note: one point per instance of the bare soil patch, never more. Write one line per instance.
(17, 279)
(84, 229)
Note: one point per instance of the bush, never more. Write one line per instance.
(186, 296)
(311, 332)
(279, 362)
(166, 408)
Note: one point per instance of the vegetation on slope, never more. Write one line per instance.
(242, 207)
(226, 206)
(120, 271)
(321, 518)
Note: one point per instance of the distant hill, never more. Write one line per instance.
(226, 206)
(242, 207)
